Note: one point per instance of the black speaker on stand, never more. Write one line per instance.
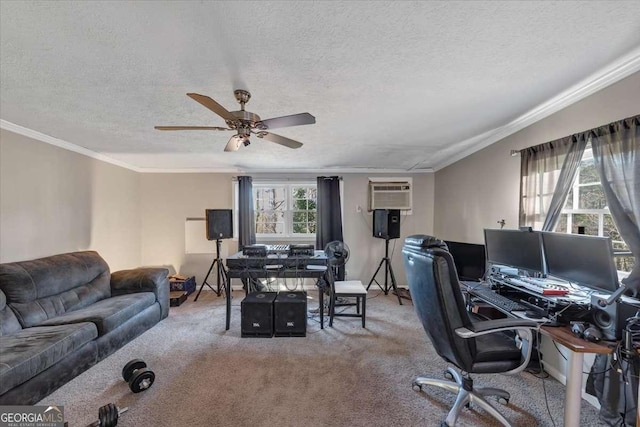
(386, 225)
(219, 226)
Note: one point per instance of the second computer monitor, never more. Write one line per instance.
(585, 260)
(514, 248)
(469, 259)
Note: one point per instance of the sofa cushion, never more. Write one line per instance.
(8, 321)
(109, 313)
(29, 352)
(43, 288)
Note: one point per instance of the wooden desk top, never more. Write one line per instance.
(564, 336)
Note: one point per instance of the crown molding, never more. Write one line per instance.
(39, 136)
(618, 70)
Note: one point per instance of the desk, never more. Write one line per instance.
(578, 347)
(241, 267)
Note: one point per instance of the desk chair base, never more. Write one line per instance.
(467, 394)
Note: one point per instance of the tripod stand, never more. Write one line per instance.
(388, 271)
(221, 274)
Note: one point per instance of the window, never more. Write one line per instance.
(586, 206)
(284, 210)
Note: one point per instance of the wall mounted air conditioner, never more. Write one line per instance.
(390, 195)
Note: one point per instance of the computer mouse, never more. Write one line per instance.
(532, 314)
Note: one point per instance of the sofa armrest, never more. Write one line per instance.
(143, 280)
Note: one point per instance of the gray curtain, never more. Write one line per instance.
(246, 220)
(329, 214)
(565, 181)
(616, 152)
(547, 172)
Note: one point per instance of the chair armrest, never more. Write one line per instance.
(495, 325)
(143, 280)
(522, 326)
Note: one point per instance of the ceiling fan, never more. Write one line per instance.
(245, 123)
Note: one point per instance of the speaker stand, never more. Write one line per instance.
(388, 271)
(220, 272)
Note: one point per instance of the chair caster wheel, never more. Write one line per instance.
(416, 387)
(503, 401)
(448, 375)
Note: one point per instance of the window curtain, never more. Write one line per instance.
(246, 220)
(329, 215)
(547, 172)
(616, 152)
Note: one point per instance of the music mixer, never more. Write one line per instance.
(540, 286)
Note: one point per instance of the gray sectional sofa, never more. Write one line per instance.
(62, 314)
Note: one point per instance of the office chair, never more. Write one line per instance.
(473, 345)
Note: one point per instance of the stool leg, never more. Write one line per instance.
(364, 310)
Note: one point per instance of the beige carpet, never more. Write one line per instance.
(340, 376)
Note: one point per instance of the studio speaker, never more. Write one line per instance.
(219, 224)
(256, 312)
(290, 311)
(386, 223)
(610, 319)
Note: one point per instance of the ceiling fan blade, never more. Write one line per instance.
(212, 105)
(234, 143)
(293, 120)
(190, 128)
(280, 139)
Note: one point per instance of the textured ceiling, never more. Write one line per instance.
(393, 85)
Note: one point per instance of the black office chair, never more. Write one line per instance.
(473, 345)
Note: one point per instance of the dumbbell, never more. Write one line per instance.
(138, 375)
(108, 416)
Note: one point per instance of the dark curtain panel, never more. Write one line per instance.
(246, 221)
(616, 151)
(329, 217)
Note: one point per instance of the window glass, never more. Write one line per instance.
(285, 210)
(588, 173)
(588, 221)
(591, 197)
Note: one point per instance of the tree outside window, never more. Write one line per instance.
(285, 210)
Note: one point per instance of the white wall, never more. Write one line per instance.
(53, 201)
(478, 191)
(168, 199)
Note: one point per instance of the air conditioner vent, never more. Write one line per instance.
(390, 195)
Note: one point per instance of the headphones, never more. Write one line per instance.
(586, 331)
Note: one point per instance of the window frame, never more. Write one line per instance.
(289, 235)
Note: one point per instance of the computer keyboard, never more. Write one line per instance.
(497, 300)
(539, 286)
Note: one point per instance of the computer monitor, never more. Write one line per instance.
(469, 259)
(514, 248)
(585, 260)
